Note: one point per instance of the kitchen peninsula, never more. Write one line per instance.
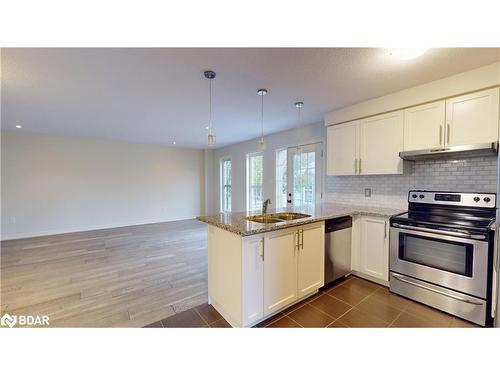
(257, 269)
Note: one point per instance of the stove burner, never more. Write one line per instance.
(449, 210)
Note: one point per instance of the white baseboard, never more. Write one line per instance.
(18, 236)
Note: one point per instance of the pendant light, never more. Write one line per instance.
(299, 106)
(210, 75)
(262, 93)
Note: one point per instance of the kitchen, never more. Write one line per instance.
(438, 164)
(381, 213)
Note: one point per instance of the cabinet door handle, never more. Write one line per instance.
(296, 238)
(440, 134)
(359, 169)
(262, 249)
(385, 229)
(302, 239)
(448, 133)
(356, 166)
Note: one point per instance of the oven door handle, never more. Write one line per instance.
(445, 232)
(461, 299)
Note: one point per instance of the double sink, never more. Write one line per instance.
(276, 217)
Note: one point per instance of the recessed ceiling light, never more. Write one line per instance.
(18, 126)
(174, 142)
(206, 128)
(407, 53)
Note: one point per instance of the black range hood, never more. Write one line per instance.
(480, 149)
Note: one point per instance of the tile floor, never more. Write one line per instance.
(353, 302)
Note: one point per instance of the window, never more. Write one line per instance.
(226, 185)
(254, 181)
(281, 178)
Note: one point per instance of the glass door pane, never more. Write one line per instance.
(304, 175)
(254, 182)
(281, 178)
(445, 255)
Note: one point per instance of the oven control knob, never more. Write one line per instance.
(486, 199)
(421, 196)
(476, 199)
(414, 196)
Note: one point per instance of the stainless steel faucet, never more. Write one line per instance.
(266, 203)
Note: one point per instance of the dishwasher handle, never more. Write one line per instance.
(333, 225)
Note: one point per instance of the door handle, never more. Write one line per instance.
(359, 169)
(440, 134)
(448, 133)
(445, 232)
(356, 166)
(461, 299)
(302, 239)
(385, 229)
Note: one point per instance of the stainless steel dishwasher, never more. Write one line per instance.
(337, 248)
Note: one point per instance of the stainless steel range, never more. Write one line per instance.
(441, 252)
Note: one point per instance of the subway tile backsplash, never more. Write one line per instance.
(472, 174)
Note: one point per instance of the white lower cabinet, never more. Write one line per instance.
(251, 278)
(280, 269)
(252, 267)
(293, 265)
(370, 248)
(311, 260)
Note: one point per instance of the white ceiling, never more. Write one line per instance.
(160, 95)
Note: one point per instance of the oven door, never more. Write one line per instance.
(440, 258)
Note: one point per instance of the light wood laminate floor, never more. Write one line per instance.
(120, 277)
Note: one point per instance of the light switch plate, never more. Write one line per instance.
(368, 192)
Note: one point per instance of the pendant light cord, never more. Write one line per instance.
(210, 104)
(299, 131)
(262, 116)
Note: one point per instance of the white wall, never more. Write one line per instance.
(238, 152)
(210, 178)
(60, 184)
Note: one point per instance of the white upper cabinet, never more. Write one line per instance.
(372, 145)
(472, 118)
(342, 144)
(424, 126)
(381, 140)
(463, 120)
(369, 146)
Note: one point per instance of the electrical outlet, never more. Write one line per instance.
(368, 192)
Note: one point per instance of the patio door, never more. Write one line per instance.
(305, 171)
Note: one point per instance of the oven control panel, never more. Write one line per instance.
(453, 199)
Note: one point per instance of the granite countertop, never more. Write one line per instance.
(236, 221)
